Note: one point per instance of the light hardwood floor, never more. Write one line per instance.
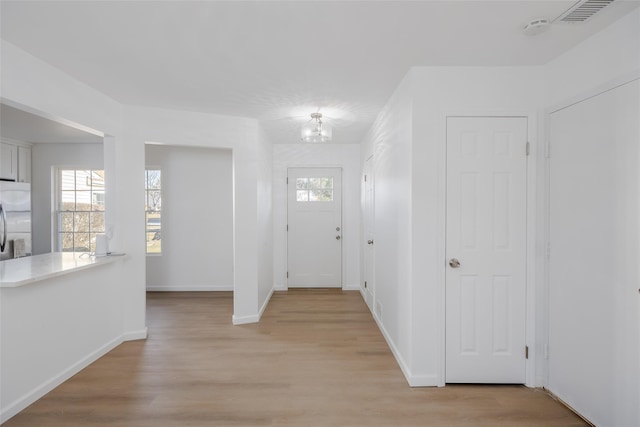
(317, 358)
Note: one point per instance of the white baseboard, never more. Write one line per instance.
(153, 288)
(136, 335)
(424, 381)
(280, 287)
(265, 303)
(21, 403)
(351, 287)
(253, 318)
(413, 380)
(242, 320)
(403, 366)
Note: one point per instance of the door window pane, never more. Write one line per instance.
(318, 189)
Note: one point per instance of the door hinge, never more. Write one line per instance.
(365, 284)
(365, 178)
(528, 148)
(287, 227)
(287, 180)
(526, 351)
(287, 274)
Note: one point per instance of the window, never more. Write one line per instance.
(314, 189)
(80, 209)
(153, 209)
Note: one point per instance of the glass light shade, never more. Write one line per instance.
(315, 130)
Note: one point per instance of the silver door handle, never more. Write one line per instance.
(369, 242)
(454, 263)
(338, 237)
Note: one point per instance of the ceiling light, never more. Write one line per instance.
(315, 130)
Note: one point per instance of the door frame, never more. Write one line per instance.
(368, 292)
(286, 168)
(533, 377)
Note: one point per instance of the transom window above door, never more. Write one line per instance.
(314, 189)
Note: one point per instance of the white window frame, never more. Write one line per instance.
(147, 211)
(56, 228)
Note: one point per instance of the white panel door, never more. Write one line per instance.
(486, 249)
(314, 243)
(369, 220)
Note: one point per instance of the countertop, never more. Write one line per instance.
(22, 271)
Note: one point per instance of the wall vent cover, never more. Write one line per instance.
(583, 10)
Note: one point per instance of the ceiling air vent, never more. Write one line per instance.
(583, 10)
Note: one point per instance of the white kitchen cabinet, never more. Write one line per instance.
(8, 161)
(24, 164)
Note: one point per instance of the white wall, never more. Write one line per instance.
(265, 219)
(390, 143)
(600, 130)
(35, 86)
(240, 135)
(409, 142)
(45, 159)
(197, 219)
(595, 235)
(52, 329)
(345, 156)
(611, 56)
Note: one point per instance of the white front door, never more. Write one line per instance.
(486, 249)
(314, 243)
(369, 220)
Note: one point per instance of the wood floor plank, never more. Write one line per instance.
(317, 358)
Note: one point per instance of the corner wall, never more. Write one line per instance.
(240, 135)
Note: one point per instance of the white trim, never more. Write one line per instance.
(530, 316)
(141, 334)
(280, 287)
(595, 91)
(242, 320)
(30, 397)
(173, 288)
(16, 142)
(265, 303)
(351, 288)
(51, 117)
(394, 350)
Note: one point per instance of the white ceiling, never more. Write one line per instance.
(23, 126)
(278, 61)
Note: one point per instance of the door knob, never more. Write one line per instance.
(369, 242)
(338, 237)
(454, 263)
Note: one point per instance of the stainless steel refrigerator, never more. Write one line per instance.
(15, 219)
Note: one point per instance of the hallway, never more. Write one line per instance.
(316, 358)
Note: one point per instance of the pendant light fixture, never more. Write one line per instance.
(315, 130)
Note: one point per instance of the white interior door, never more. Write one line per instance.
(314, 242)
(486, 249)
(369, 221)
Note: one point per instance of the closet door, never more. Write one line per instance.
(593, 264)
